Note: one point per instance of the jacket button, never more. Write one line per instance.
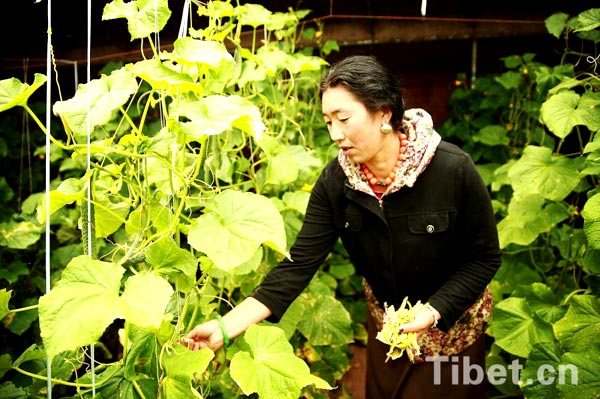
(430, 228)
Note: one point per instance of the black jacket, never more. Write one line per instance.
(436, 241)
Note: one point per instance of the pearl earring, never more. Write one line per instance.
(386, 128)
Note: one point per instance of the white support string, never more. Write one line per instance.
(183, 26)
(88, 166)
(47, 179)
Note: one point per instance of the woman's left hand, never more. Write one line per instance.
(424, 320)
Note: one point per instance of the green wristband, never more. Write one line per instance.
(223, 331)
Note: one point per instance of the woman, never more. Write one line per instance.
(417, 222)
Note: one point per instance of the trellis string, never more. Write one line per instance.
(88, 167)
(47, 178)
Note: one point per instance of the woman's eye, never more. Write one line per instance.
(344, 120)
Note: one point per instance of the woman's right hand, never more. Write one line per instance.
(205, 335)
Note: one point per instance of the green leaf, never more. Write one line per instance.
(67, 192)
(556, 23)
(233, 227)
(558, 112)
(580, 327)
(517, 328)
(144, 17)
(170, 260)
(510, 80)
(86, 299)
(544, 357)
(539, 172)
(580, 380)
(162, 78)
(527, 218)
(145, 299)
(109, 217)
(254, 15)
(591, 221)
(215, 114)
(269, 367)
(19, 235)
(325, 321)
(96, 100)
(588, 20)
(492, 135)
(189, 51)
(14, 93)
(141, 356)
(542, 301)
(588, 110)
(4, 299)
(180, 366)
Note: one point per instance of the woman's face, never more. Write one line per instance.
(356, 130)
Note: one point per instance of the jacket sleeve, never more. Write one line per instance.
(480, 252)
(312, 246)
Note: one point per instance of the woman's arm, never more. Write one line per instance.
(236, 321)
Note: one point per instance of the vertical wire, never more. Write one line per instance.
(183, 26)
(47, 178)
(88, 166)
(473, 62)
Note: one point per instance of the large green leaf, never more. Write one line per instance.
(591, 223)
(558, 113)
(588, 20)
(216, 114)
(67, 192)
(177, 263)
(539, 172)
(162, 78)
(96, 100)
(325, 320)
(528, 217)
(556, 23)
(86, 299)
(269, 366)
(180, 365)
(566, 109)
(580, 327)
(283, 166)
(109, 217)
(543, 361)
(144, 17)
(14, 93)
(580, 378)
(517, 328)
(553, 374)
(233, 227)
(19, 235)
(189, 51)
(542, 301)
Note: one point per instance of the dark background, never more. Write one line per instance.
(427, 53)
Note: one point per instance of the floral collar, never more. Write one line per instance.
(422, 143)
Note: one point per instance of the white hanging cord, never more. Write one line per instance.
(183, 26)
(75, 72)
(88, 166)
(47, 178)
(473, 62)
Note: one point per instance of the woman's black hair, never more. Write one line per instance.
(370, 82)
